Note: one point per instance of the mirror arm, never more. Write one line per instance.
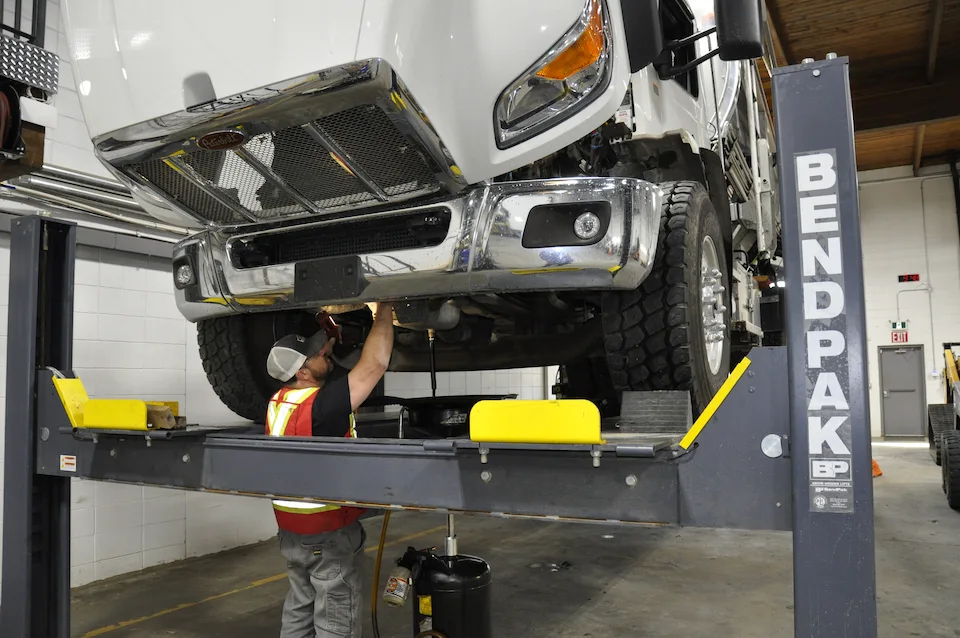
(667, 72)
(673, 45)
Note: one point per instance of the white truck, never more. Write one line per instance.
(583, 183)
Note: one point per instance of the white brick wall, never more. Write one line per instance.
(526, 383)
(909, 226)
(130, 341)
(114, 527)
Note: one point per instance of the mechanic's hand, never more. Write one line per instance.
(328, 325)
(385, 308)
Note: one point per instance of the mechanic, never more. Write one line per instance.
(323, 543)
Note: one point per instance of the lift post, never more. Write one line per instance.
(751, 465)
(833, 536)
(36, 506)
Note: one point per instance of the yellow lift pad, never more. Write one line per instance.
(564, 421)
(104, 414)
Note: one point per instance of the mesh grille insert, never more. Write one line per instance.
(384, 153)
(186, 193)
(366, 134)
(307, 167)
(241, 182)
(357, 237)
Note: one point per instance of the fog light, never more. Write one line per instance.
(587, 226)
(184, 275)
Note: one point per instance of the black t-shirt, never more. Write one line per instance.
(332, 409)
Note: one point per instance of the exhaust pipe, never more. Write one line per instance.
(41, 198)
(71, 190)
(46, 209)
(83, 179)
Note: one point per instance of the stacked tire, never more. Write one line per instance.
(950, 466)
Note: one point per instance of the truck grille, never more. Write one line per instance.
(422, 229)
(355, 157)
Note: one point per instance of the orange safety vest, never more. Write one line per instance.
(290, 413)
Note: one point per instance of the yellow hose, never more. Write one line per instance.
(376, 575)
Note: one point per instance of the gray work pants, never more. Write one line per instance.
(325, 573)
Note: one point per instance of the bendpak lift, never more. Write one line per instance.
(753, 466)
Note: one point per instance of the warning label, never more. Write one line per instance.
(426, 605)
(831, 487)
(68, 463)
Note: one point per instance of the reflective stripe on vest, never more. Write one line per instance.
(279, 412)
(298, 507)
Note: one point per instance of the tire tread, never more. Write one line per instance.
(229, 367)
(940, 418)
(950, 451)
(654, 351)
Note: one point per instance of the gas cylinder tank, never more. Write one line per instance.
(453, 597)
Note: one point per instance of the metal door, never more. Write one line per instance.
(903, 391)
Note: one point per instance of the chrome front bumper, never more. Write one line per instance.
(481, 253)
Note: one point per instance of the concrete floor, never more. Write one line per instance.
(622, 582)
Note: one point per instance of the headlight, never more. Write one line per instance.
(567, 78)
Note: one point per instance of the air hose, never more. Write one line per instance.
(376, 576)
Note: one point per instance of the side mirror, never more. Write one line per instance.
(740, 29)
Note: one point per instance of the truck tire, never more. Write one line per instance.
(940, 419)
(950, 454)
(943, 468)
(234, 350)
(590, 379)
(672, 333)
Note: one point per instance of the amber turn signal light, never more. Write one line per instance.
(582, 53)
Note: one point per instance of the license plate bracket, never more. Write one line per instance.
(328, 279)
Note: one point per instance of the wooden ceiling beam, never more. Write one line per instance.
(918, 148)
(776, 26)
(936, 22)
(892, 105)
(779, 54)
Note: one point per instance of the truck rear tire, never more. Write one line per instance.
(234, 354)
(672, 332)
(950, 465)
(940, 418)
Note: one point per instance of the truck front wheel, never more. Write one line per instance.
(234, 352)
(672, 332)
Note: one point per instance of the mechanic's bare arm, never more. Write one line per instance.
(375, 356)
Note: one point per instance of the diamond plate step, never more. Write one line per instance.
(29, 64)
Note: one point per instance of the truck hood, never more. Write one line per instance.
(139, 71)
(133, 63)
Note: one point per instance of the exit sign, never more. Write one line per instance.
(899, 336)
(906, 278)
(898, 325)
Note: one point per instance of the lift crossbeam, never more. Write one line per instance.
(622, 481)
